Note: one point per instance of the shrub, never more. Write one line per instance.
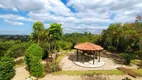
(126, 78)
(6, 68)
(33, 56)
(111, 48)
(17, 50)
(127, 57)
(54, 66)
(139, 53)
(36, 68)
(4, 46)
(64, 45)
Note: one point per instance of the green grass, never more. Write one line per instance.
(133, 61)
(90, 72)
(139, 71)
(60, 56)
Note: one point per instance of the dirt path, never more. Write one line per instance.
(21, 74)
(61, 77)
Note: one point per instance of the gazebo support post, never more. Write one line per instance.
(99, 56)
(77, 55)
(93, 57)
(83, 57)
(90, 56)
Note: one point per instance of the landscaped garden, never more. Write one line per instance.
(49, 54)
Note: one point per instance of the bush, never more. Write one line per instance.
(33, 58)
(36, 68)
(4, 46)
(111, 48)
(139, 53)
(126, 78)
(17, 50)
(6, 68)
(127, 57)
(64, 45)
(54, 66)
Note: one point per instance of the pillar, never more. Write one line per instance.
(83, 57)
(93, 57)
(77, 55)
(99, 56)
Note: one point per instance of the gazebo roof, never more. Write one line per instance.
(88, 46)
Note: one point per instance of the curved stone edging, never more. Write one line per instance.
(89, 64)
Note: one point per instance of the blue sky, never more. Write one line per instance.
(18, 16)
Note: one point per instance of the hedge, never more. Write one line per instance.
(33, 56)
(6, 68)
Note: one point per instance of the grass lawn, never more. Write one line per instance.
(139, 71)
(90, 72)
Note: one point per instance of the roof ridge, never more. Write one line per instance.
(91, 45)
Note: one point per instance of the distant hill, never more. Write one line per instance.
(15, 37)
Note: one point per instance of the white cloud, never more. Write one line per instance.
(89, 15)
(15, 17)
(26, 5)
(13, 22)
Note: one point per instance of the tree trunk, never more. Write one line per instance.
(140, 43)
(127, 62)
(38, 40)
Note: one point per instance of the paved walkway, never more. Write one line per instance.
(21, 74)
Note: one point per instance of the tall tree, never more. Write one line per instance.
(38, 30)
(138, 27)
(55, 33)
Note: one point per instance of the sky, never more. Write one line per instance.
(18, 16)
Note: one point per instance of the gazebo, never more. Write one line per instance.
(89, 49)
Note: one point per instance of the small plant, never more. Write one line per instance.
(126, 78)
(31, 78)
(54, 66)
(98, 77)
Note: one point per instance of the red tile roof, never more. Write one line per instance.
(88, 46)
